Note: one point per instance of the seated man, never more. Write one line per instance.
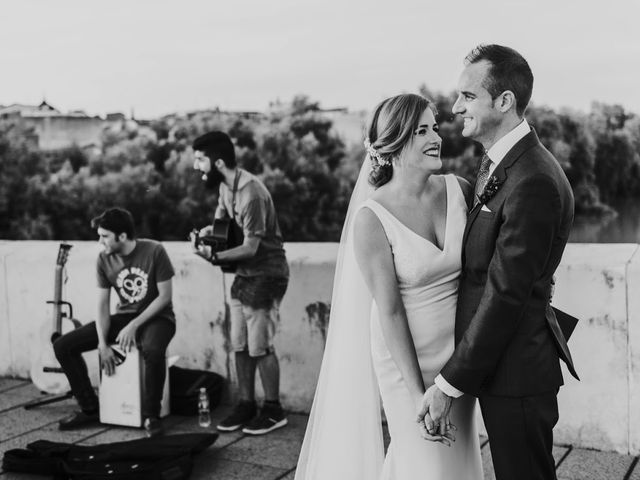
(140, 272)
(261, 280)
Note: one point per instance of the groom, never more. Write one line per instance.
(507, 338)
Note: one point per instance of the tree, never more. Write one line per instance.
(293, 149)
(19, 161)
(301, 156)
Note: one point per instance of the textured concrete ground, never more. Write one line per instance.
(236, 456)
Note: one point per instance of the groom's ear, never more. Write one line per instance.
(506, 101)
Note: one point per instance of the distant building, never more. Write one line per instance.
(115, 117)
(217, 113)
(51, 129)
(19, 110)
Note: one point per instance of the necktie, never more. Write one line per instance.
(483, 176)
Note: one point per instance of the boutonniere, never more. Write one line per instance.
(490, 189)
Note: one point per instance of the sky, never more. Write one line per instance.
(157, 57)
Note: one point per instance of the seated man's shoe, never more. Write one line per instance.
(242, 414)
(153, 427)
(270, 418)
(78, 420)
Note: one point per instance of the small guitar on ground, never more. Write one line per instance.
(46, 373)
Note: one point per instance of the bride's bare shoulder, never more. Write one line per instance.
(367, 222)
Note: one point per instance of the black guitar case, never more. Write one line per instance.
(165, 457)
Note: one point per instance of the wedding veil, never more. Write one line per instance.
(344, 435)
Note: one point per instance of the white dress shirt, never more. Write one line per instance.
(495, 154)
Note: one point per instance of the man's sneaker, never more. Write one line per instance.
(242, 413)
(270, 418)
(78, 419)
(153, 427)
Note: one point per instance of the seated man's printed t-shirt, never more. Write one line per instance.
(256, 215)
(135, 277)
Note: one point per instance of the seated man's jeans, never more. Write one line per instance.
(152, 337)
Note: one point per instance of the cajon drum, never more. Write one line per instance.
(121, 393)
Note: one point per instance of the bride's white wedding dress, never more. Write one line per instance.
(428, 281)
(343, 440)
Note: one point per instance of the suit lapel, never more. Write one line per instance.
(473, 214)
(528, 141)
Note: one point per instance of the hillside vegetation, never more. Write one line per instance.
(306, 165)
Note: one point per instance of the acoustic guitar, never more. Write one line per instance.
(46, 373)
(226, 234)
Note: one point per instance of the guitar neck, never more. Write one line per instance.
(57, 298)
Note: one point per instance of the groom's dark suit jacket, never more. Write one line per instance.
(504, 343)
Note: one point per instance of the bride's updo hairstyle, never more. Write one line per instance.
(390, 130)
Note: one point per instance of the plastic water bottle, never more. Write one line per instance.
(204, 415)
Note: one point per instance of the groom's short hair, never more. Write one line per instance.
(509, 71)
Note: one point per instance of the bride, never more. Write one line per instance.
(393, 312)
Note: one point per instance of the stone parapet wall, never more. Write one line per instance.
(598, 283)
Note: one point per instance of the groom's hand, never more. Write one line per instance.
(434, 411)
(446, 437)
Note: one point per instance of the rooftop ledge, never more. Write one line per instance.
(598, 283)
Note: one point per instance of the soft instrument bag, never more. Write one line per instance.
(168, 457)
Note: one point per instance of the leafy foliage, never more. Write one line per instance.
(304, 163)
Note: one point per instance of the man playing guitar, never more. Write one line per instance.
(262, 275)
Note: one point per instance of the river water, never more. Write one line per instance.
(625, 228)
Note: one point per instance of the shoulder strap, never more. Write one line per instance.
(454, 190)
(235, 189)
(384, 217)
(233, 195)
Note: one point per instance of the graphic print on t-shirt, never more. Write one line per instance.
(132, 284)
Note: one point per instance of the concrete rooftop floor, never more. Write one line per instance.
(235, 456)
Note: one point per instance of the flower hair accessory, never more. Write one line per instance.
(373, 153)
(490, 189)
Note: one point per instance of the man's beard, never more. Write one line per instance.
(115, 249)
(213, 179)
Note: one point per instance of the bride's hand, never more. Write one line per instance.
(445, 434)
